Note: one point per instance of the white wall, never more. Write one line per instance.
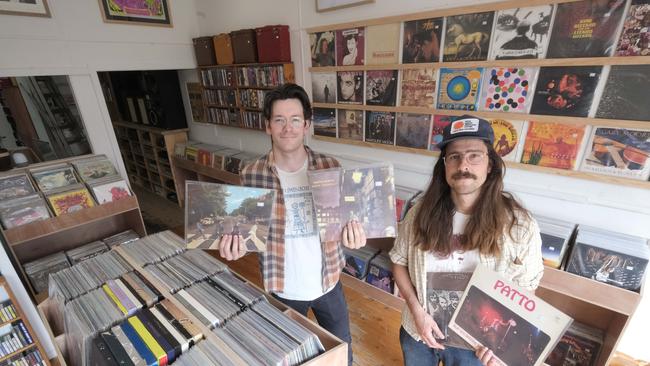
(622, 209)
(76, 42)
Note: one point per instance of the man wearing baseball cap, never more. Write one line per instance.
(463, 219)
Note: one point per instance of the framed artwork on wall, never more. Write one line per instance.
(328, 5)
(141, 12)
(35, 8)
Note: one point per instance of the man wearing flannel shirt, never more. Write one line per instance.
(298, 269)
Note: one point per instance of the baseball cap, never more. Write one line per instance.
(467, 127)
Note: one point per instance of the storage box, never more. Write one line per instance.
(244, 47)
(223, 49)
(273, 43)
(204, 51)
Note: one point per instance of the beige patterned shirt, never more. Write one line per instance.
(520, 260)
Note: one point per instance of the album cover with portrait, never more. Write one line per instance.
(467, 37)
(553, 145)
(635, 37)
(440, 121)
(508, 138)
(517, 326)
(350, 46)
(418, 87)
(421, 43)
(380, 127)
(565, 91)
(324, 120)
(585, 29)
(521, 33)
(459, 88)
(381, 87)
(620, 152)
(507, 89)
(322, 49)
(323, 87)
(444, 290)
(413, 130)
(349, 87)
(350, 124)
(626, 93)
(382, 44)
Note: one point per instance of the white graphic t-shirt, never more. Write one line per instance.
(458, 260)
(303, 257)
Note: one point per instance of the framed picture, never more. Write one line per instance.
(35, 8)
(151, 12)
(328, 5)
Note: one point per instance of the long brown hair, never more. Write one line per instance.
(493, 212)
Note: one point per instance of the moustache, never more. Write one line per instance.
(463, 175)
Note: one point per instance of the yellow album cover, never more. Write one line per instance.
(382, 44)
(507, 135)
(70, 201)
(553, 145)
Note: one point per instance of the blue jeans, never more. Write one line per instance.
(418, 353)
(331, 311)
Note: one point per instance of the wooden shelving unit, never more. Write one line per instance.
(188, 170)
(21, 317)
(146, 154)
(227, 82)
(335, 349)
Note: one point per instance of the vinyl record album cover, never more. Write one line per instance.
(350, 87)
(381, 87)
(350, 124)
(322, 49)
(585, 29)
(70, 201)
(418, 87)
(350, 47)
(365, 194)
(517, 326)
(459, 88)
(15, 186)
(111, 191)
(618, 152)
(213, 210)
(421, 41)
(380, 127)
(382, 44)
(467, 37)
(324, 120)
(413, 130)
(507, 89)
(553, 145)
(626, 93)
(57, 176)
(440, 121)
(579, 345)
(565, 91)
(444, 290)
(323, 87)
(23, 210)
(94, 168)
(507, 137)
(635, 37)
(521, 33)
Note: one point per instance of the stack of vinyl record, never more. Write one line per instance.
(121, 238)
(580, 345)
(239, 289)
(210, 303)
(102, 179)
(38, 271)
(154, 248)
(87, 275)
(557, 237)
(207, 353)
(19, 202)
(62, 189)
(380, 273)
(357, 261)
(86, 251)
(613, 258)
(185, 269)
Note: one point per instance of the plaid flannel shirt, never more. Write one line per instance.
(263, 174)
(520, 260)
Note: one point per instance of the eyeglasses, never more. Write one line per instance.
(472, 157)
(296, 122)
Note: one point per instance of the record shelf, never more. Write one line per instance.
(146, 154)
(233, 95)
(335, 350)
(20, 316)
(185, 169)
(534, 62)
